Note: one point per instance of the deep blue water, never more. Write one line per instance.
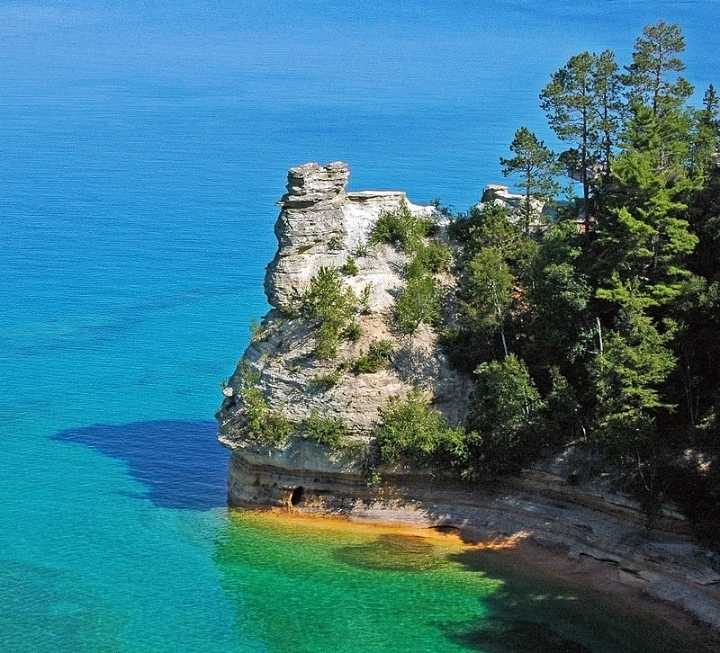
(142, 148)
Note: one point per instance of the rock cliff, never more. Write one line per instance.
(322, 225)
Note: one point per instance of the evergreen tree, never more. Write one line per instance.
(536, 166)
(558, 296)
(647, 235)
(607, 104)
(568, 103)
(651, 78)
(630, 370)
(706, 141)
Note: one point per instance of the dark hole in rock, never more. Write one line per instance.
(446, 528)
(297, 495)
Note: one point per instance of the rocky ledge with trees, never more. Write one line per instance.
(535, 366)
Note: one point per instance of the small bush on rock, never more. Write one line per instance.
(263, 425)
(417, 302)
(350, 269)
(377, 357)
(328, 431)
(410, 429)
(434, 257)
(400, 228)
(331, 305)
(328, 380)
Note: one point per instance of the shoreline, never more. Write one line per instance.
(620, 588)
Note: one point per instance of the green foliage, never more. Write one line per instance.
(583, 103)
(410, 429)
(400, 228)
(706, 135)
(361, 251)
(506, 414)
(635, 361)
(328, 380)
(487, 290)
(607, 105)
(418, 302)
(647, 235)
(352, 332)
(536, 166)
(328, 431)
(434, 257)
(331, 305)
(652, 77)
(377, 357)
(258, 332)
(364, 300)
(335, 244)
(562, 418)
(350, 268)
(262, 424)
(559, 296)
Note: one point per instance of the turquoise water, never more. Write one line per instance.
(143, 146)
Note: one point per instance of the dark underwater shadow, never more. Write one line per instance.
(391, 552)
(504, 636)
(180, 462)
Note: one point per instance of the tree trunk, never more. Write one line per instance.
(586, 187)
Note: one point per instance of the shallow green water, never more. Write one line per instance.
(310, 588)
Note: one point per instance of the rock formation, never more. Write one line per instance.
(322, 225)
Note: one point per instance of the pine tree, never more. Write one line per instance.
(607, 104)
(536, 166)
(647, 236)
(568, 103)
(651, 77)
(629, 372)
(706, 141)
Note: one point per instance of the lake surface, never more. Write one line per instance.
(143, 146)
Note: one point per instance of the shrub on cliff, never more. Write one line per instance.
(263, 424)
(331, 305)
(418, 302)
(377, 357)
(409, 429)
(434, 257)
(350, 268)
(400, 228)
(328, 431)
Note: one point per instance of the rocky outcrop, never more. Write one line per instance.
(322, 225)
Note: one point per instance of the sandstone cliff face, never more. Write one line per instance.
(322, 225)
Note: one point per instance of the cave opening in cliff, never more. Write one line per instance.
(297, 495)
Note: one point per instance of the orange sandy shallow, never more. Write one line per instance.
(283, 517)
